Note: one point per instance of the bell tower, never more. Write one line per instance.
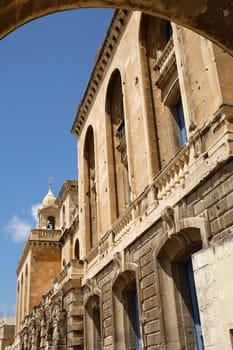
(48, 213)
(40, 262)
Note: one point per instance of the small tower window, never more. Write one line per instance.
(168, 31)
(50, 223)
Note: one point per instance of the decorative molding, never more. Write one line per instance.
(103, 57)
(117, 260)
(168, 217)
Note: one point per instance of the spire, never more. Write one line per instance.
(49, 199)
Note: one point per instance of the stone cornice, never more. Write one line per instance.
(103, 57)
(68, 185)
(38, 236)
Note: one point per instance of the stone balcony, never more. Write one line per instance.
(72, 271)
(45, 235)
(204, 151)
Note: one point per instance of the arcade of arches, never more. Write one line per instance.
(212, 19)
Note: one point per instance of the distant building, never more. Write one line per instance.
(137, 254)
(7, 332)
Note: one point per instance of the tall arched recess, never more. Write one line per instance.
(151, 38)
(90, 190)
(117, 145)
(212, 19)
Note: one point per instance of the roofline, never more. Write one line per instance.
(103, 57)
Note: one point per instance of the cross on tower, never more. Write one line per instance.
(50, 181)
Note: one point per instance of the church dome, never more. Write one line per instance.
(49, 200)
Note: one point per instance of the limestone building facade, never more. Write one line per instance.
(137, 254)
(7, 332)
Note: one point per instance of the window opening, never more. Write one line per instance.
(180, 121)
(132, 336)
(117, 140)
(50, 335)
(169, 32)
(77, 250)
(231, 337)
(50, 223)
(97, 328)
(93, 324)
(90, 188)
(137, 324)
(194, 305)
(64, 215)
(38, 341)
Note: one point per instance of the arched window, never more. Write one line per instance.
(117, 144)
(50, 223)
(181, 319)
(166, 129)
(90, 189)
(169, 32)
(93, 324)
(77, 250)
(64, 216)
(38, 340)
(18, 306)
(50, 335)
(126, 313)
(25, 304)
(21, 298)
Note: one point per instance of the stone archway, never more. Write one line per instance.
(210, 18)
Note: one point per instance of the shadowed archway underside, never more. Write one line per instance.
(210, 18)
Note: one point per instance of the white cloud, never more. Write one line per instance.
(34, 209)
(19, 228)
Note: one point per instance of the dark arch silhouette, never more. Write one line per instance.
(212, 19)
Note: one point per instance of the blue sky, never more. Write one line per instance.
(44, 68)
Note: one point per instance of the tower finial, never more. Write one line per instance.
(50, 181)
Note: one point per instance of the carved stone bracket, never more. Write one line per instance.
(168, 217)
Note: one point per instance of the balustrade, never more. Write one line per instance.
(46, 235)
(170, 177)
(173, 174)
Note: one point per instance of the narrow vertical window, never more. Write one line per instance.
(231, 337)
(38, 341)
(194, 305)
(126, 313)
(21, 299)
(93, 324)
(168, 31)
(117, 140)
(132, 336)
(18, 306)
(25, 292)
(174, 118)
(64, 216)
(180, 121)
(180, 312)
(90, 188)
(77, 250)
(97, 327)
